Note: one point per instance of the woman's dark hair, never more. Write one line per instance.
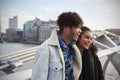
(84, 29)
(69, 19)
(93, 46)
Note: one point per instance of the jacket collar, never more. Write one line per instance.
(53, 40)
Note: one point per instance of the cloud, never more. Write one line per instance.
(48, 9)
(109, 8)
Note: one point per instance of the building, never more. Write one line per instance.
(116, 31)
(0, 31)
(1, 38)
(30, 30)
(37, 30)
(0, 28)
(13, 22)
(13, 33)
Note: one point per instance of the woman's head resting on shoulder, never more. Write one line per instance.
(85, 38)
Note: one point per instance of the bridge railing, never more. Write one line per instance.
(13, 60)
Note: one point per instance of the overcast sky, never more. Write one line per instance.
(96, 14)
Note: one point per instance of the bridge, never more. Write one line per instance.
(108, 43)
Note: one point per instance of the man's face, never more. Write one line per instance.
(74, 33)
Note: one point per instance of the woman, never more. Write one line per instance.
(91, 68)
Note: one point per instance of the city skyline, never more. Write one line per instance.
(98, 15)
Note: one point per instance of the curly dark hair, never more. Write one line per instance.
(69, 19)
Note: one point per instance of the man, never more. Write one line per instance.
(58, 58)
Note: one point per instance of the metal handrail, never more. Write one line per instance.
(17, 58)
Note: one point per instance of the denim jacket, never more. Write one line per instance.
(49, 61)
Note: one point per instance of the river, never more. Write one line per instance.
(7, 48)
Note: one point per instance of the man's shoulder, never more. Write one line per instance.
(44, 44)
(44, 47)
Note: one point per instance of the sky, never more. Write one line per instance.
(96, 14)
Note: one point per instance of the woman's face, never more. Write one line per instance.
(85, 40)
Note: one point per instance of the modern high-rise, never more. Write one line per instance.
(0, 26)
(13, 22)
(0, 31)
(11, 32)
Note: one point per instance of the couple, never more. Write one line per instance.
(69, 54)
